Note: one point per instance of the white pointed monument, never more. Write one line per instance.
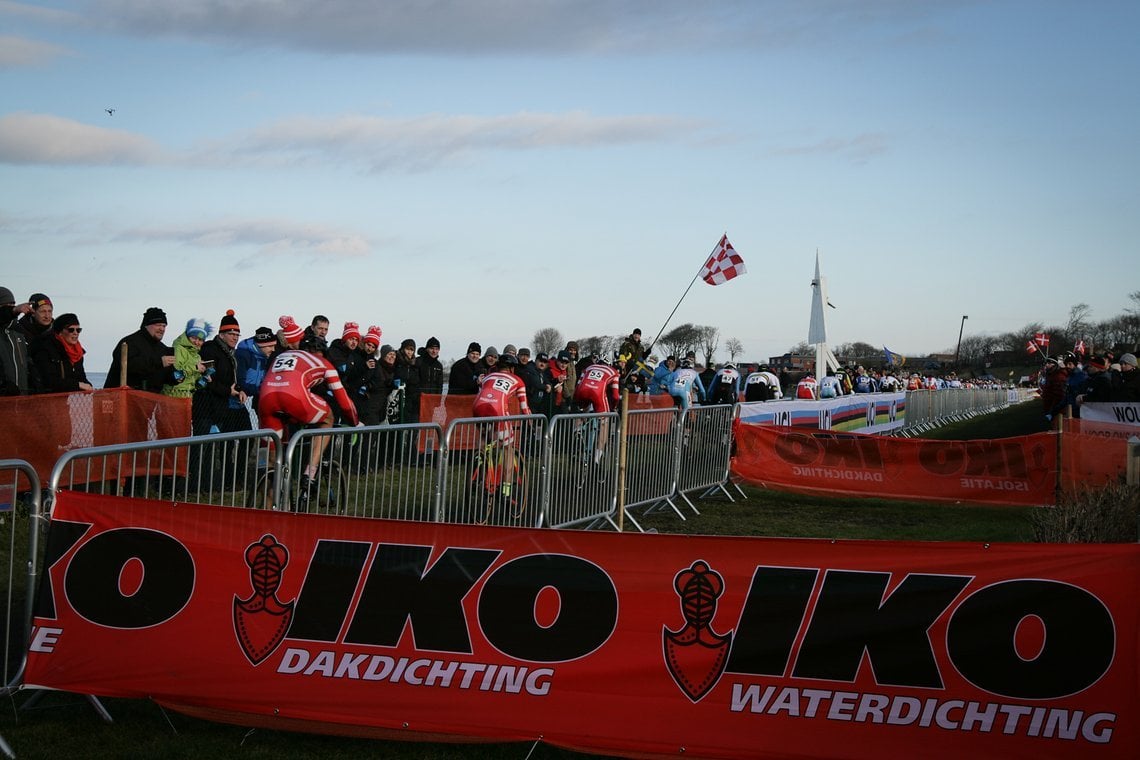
(825, 360)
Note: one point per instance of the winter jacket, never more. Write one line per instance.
(54, 371)
(13, 361)
(186, 360)
(145, 371)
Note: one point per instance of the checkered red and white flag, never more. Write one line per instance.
(723, 264)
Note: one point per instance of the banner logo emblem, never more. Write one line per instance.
(261, 621)
(696, 654)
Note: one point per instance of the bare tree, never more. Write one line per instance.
(601, 345)
(709, 342)
(681, 339)
(547, 340)
(1078, 324)
(734, 347)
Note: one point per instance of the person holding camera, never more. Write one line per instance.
(190, 372)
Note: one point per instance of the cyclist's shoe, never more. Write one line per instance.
(506, 490)
(307, 493)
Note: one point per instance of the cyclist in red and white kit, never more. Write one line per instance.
(598, 386)
(287, 395)
(496, 391)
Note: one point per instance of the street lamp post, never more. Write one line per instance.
(958, 350)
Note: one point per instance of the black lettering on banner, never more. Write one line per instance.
(330, 584)
(782, 418)
(773, 612)
(871, 414)
(400, 588)
(1001, 459)
(940, 457)
(825, 419)
(92, 581)
(851, 451)
(851, 616)
(62, 535)
(1080, 639)
(587, 613)
(797, 448)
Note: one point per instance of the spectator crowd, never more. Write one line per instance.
(221, 374)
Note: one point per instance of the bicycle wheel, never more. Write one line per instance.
(261, 495)
(483, 489)
(516, 503)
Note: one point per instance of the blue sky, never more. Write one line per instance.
(479, 170)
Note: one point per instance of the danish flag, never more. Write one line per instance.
(1041, 339)
(1031, 347)
(723, 264)
(1080, 348)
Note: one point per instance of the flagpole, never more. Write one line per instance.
(654, 341)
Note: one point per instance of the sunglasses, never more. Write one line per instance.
(75, 330)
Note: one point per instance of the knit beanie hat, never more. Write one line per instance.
(64, 321)
(37, 300)
(510, 349)
(492, 351)
(408, 343)
(1128, 359)
(386, 349)
(292, 331)
(351, 330)
(264, 336)
(6, 296)
(229, 322)
(474, 347)
(373, 336)
(153, 316)
(433, 342)
(198, 328)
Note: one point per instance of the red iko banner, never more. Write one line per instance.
(1020, 470)
(634, 645)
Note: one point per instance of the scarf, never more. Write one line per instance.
(74, 352)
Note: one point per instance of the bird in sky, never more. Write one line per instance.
(110, 111)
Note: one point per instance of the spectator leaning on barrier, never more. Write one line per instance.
(149, 360)
(410, 380)
(429, 368)
(13, 346)
(464, 377)
(219, 406)
(38, 321)
(1098, 384)
(190, 372)
(252, 357)
(58, 356)
(1128, 388)
(1053, 398)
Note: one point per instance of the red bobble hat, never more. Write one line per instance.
(293, 332)
(351, 330)
(373, 336)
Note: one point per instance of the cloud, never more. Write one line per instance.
(858, 149)
(418, 143)
(270, 238)
(376, 143)
(18, 51)
(42, 139)
(490, 27)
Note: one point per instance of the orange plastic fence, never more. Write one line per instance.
(39, 429)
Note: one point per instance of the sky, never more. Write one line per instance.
(481, 169)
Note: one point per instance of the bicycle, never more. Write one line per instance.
(500, 503)
(325, 493)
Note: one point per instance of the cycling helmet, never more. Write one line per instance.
(730, 365)
(686, 364)
(600, 360)
(1067, 357)
(508, 360)
(314, 344)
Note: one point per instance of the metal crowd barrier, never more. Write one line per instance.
(223, 469)
(706, 452)
(474, 484)
(929, 409)
(652, 458)
(380, 471)
(581, 470)
(22, 520)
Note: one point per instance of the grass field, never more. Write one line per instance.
(65, 725)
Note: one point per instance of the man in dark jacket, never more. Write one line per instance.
(38, 321)
(409, 378)
(429, 368)
(149, 360)
(13, 347)
(464, 377)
